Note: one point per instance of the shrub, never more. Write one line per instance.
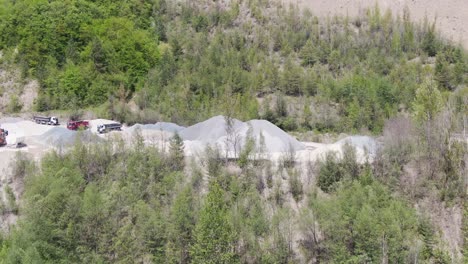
(14, 106)
(295, 186)
(330, 172)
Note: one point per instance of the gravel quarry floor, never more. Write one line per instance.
(39, 139)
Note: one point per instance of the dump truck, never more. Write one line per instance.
(3, 135)
(46, 120)
(78, 125)
(104, 128)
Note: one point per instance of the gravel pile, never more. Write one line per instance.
(360, 142)
(160, 126)
(30, 128)
(276, 140)
(61, 137)
(213, 132)
(167, 126)
(10, 120)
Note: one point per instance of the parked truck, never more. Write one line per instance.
(46, 120)
(3, 135)
(78, 125)
(104, 128)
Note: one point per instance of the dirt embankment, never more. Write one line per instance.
(16, 95)
(452, 15)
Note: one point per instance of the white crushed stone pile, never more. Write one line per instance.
(364, 143)
(213, 132)
(60, 137)
(10, 120)
(365, 146)
(276, 140)
(167, 126)
(160, 126)
(30, 128)
(209, 131)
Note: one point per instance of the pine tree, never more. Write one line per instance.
(291, 81)
(176, 150)
(442, 72)
(408, 32)
(181, 227)
(307, 114)
(429, 41)
(428, 102)
(308, 54)
(214, 237)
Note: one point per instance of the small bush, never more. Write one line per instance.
(330, 172)
(21, 166)
(295, 186)
(14, 105)
(11, 200)
(289, 157)
(288, 124)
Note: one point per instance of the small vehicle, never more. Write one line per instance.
(3, 135)
(104, 128)
(46, 120)
(78, 125)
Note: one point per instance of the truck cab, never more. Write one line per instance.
(53, 121)
(77, 125)
(104, 128)
(3, 135)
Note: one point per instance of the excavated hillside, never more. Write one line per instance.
(451, 15)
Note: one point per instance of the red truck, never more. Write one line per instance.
(3, 134)
(78, 125)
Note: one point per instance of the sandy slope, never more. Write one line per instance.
(452, 15)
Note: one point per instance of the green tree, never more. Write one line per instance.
(363, 223)
(181, 226)
(93, 217)
(429, 41)
(176, 150)
(408, 40)
(428, 101)
(330, 172)
(308, 54)
(213, 234)
(442, 72)
(291, 78)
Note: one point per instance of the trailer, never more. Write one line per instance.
(104, 128)
(46, 120)
(78, 125)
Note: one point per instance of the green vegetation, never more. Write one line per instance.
(188, 61)
(184, 61)
(333, 170)
(377, 227)
(113, 202)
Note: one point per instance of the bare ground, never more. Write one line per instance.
(452, 15)
(11, 85)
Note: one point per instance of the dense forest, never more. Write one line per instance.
(130, 203)
(185, 61)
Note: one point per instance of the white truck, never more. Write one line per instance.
(104, 128)
(46, 120)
